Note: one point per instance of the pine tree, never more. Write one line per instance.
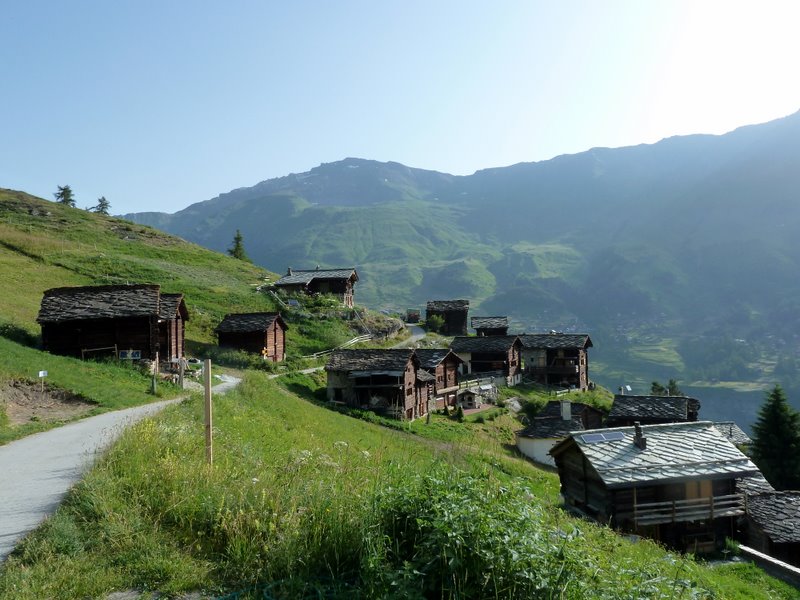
(776, 441)
(237, 250)
(64, 195)
(102, 206)
(671, 389)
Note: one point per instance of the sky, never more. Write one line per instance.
(157, 105)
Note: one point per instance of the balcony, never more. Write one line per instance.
(554, 370)
(677, 511)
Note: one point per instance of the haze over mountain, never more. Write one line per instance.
(679, 257)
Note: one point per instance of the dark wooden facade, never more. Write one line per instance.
(444, 366)
(260, 333)
(660, 487)
(390, 382)
(557, 359)
(453, 312)
(338, 282)
(494, 355)
(124, 320)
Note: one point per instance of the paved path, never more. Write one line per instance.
(417, 333)
(37, 471)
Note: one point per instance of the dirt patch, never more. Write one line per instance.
(23, 401)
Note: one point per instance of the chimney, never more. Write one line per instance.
(289, 271)
(566, 410)
(638, 439)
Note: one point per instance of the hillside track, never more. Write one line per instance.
(37, 471)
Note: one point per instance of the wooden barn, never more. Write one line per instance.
(496, 355)
(444, 365)
(128, 321)
(390, 382)
(552, 424)
(557, 359)
(453, 313)
(675, 483)
(489, 325)
(772, 524)
(262, 333)
(649, 410)
(337, 282)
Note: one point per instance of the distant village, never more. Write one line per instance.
(649, 467)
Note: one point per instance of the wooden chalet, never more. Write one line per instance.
(557, 359)
(391, 382)
(648, 410)
(337, 282)
(444, 365)
(772, 524)
(496, 355)
(263, 333)
(453, 312)
(552, 424)
(489, 325)
(675, 483)
(126, 321)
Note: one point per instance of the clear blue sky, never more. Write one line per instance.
(159, 104)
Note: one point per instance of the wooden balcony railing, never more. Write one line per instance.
(676, 511)
(555, 370)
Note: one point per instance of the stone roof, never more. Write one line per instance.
(171, 304)
(674, 452)
(423, 375)
(297, 277)
(447, 305)
(553, 408)
(754, 484)
(663, 408)
(555, 341)
(489, 322)
(777, 514)
(492, 343)
(430, 358)
(248, 322)
(369, 360)
(733, 432)
(99, 302)
(548, 427)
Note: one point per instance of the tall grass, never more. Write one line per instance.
(304, 501)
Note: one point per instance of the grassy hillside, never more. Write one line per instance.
(45, 245)
(303, 502)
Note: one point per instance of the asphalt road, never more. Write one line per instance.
(37, 471)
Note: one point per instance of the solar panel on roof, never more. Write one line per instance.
(596, 438)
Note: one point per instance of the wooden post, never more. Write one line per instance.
(209, 419)
(181, 371)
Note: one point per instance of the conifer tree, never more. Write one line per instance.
(102, 206)
(776, 441)
(64, 195)
(237, 250)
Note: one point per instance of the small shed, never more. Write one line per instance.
(131, 321)
(338, 282)
(261, 332)
(453, 313)
(490, 325)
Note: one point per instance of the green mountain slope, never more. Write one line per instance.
(658, 250)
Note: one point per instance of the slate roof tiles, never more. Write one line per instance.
(247, 322)
(664, 408)
(777, 513)
(307, 276)
(489, 322)
(492, 343)
(369, 360)
(447, 305)
(555, 341)
(99, 302)
(673, 452)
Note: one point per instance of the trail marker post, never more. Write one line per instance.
(208, 413)
(42, 375)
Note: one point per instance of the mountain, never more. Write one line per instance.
(679, 257)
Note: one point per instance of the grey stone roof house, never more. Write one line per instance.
(628, 409)
(338, 282)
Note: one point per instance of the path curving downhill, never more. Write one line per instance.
(37, 471)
